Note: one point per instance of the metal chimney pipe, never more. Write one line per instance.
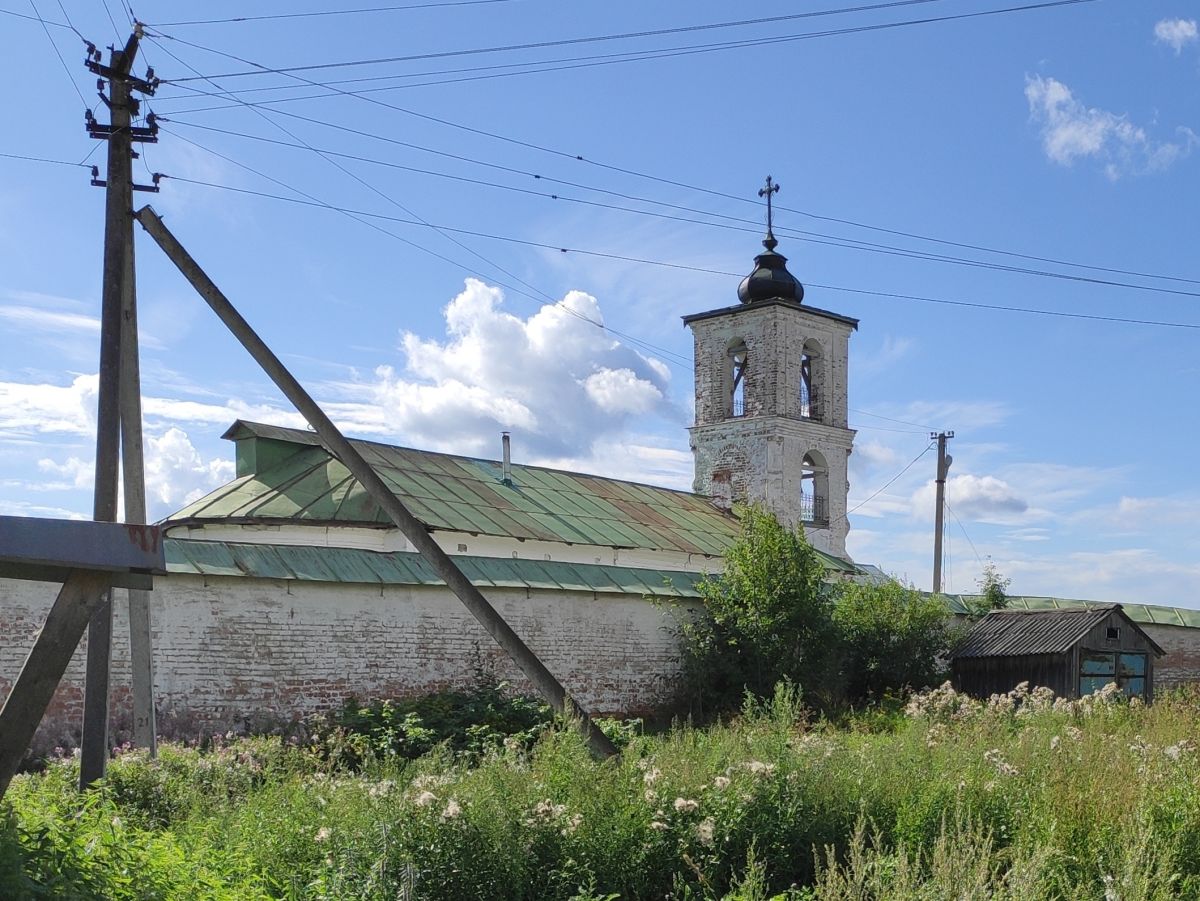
(506, 442)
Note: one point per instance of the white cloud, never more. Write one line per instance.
(1176, 32)
(555, 379)
(177, 474)
(48, 320)
(1072, 131)
(980, 498)
(41, 408)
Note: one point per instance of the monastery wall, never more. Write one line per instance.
(238, 652)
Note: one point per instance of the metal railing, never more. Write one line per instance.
(814, 510)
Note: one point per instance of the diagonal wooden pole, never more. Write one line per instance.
(549, 687)
(81, 596)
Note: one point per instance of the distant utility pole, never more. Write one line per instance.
(943, 466)
(118, 403)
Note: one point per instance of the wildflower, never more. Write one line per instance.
(721, 783)
(758, 768)
(425, 798)
(686, 805)
(652, 776)
(572, 824)
(323, 834)
(453, 809)
(705, 831)
(381, 789)
(1054, 742)
(658, 826)
(1002, 766)
(651, 796)
(116, 822)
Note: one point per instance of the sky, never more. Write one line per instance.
(402, 249)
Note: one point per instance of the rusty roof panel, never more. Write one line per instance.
(465, 494)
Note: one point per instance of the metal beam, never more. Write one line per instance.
(333, 440)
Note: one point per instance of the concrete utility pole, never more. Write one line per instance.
(943, 467)
(116, 403)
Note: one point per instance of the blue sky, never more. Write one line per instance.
(1070, 134)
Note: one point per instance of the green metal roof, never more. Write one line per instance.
(353, 565)
(285, 474)
(1140, 613)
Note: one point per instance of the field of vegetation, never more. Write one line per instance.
(1020, 798)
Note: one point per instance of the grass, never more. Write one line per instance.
(1021, 798)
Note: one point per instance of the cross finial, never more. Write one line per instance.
(772, 188)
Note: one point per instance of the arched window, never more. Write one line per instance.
(814, 490)
(810, 381)
(737, 360)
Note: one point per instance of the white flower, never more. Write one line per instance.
(652, 776)
(758, 768)
(425, 798)
(453, 809)
(1054, 742)
(721, 783)
(686, 805)
(705, 831)
(323, 834)
(381, 789)
(658, 826)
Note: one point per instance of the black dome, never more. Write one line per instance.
(770, 279)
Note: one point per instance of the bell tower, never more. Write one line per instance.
(771, 401)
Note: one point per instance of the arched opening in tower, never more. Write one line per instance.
(814, 490)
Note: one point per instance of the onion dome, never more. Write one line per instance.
(770, 279)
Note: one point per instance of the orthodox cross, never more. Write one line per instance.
(771, 188)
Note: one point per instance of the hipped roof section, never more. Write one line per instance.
(308, 486)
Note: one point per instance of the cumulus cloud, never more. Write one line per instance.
(177, 474)
(1072, 131)
(1176, 32)
(981, 498)
(555, 379)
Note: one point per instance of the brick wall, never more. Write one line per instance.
(233, 652)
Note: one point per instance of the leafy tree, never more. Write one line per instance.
(993, 589)
(768, 617)
(892, 638)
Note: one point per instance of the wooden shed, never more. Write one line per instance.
(1072, 652)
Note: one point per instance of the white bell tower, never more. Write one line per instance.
(771, 402)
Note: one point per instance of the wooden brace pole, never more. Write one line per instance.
(549, 687)
(81, 596)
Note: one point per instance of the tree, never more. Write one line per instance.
(768, 617)
(892, 638)
(993, 589)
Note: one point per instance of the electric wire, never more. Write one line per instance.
(57, 53)
(888, 484)
(116, 30)
(800, 234)
(39, 159)
(29, 18)
(742, 199)
(328, 12)
(963, 528)
(539, 45)
(385, 195)
(642, 260)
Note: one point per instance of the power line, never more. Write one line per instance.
(54, 46)
(39, 159)
(328, 12)
(725, 195)
(29, 18)
(623, 258)
(964, 531)
(886, 485)
(382, 194)
(564, 42)
(800, 234)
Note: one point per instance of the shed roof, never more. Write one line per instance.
(1149, 614)
(1019, 633)
(307, 486)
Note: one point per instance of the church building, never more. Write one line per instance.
(289, 590)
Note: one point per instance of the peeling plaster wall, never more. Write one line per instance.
(231, 652)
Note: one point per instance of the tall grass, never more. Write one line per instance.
(1021, 798)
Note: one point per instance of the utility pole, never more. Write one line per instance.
(117, 299)
(943, 467)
